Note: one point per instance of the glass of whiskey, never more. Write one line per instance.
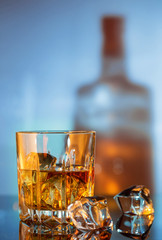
(55, 168)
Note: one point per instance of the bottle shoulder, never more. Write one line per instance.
(122, 83)
(86, 89)
(118, 85)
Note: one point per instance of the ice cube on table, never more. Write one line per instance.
(135, 200)
(90, 213)
(40, 161)
(135, 226)
(99, 234)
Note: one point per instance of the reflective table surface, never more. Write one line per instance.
(11, 228)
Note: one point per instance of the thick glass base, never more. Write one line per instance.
(44, 221)
(42, 232)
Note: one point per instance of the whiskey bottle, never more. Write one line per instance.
(119, 111)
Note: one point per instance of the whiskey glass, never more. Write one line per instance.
(54, 168)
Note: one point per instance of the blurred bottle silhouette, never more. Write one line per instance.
(119, 111)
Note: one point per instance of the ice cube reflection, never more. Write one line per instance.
(136, 227)
(99, 234)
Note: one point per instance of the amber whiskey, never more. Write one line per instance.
(53, 190)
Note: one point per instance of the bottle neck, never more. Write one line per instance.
(113, 66)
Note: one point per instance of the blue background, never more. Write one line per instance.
(48, 49)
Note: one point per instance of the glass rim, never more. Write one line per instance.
(66, 132)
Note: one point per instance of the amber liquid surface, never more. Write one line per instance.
(53, 190)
